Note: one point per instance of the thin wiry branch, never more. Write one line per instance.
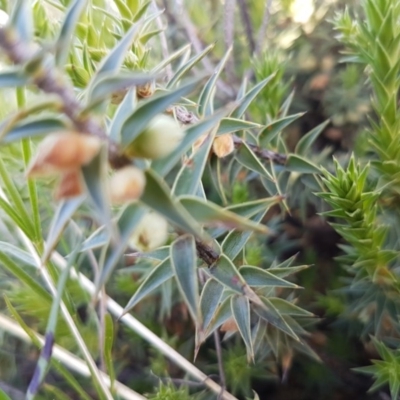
(218, 348)
(248, 29)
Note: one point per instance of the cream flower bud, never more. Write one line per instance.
(160, 138)
(223, 145)
(64, 151)
(127, 184)
(151, 233)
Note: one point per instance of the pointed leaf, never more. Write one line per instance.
(247, 158)
(274, 128)
(63, 215)
(95, 177)
(142, 115)
(210, 298)
(113, 61)
(286, 308)
(269, 313)
(184, 257)
(286, 271)
(245, 101)
(67, 29)
(109, 83)
(21, 20)
(209, 213)
(223, 313)
(160, 274)
(189, 177)
(164, 165)
(107, 350)
(229, 125)
(187, 66)
(206, 95)
(296, 163)
(241, 312)
(156, 195)
(31, 128)
(224, 271)
(159, 67)
(255, 276)
(305, 143)
(128, 221)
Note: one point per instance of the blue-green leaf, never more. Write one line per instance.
(14, 77)
(183, 257)
(246, 100)
(159, 274)
(240, 306)
(255, 276)
(284, 307)
(31, 128)
(21, 20)
(64, 212)
(143, 114)
(209, 300)
(309, 138)
(221, 315)
(247, 158)
(157, 196)
(189, 177)
(66, 32)
(229, 125)
(299, 164)
(187, 66)
(274, 128)
(164, 165)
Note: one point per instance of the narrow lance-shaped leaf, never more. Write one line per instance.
(304, 144)
(31, 128)
(128, 221)
(3, 396)
(21, 20)
(187, 66)
(164, 165)
(269, 313)
(183, 257)
(113, 61)
(107, 348)
(246, 100)
(209, 300)
(142, 115)
(109, 83)
(64, 212)
(156, 195)
(95, 177)
(229, 125)
(160, 66)
(66, 32)
(285, 307)
(255, 276)
(124, 110)
(241, 313)
(274, 128)
(209, 213)
(206, 95)
(247, 158)
(299, 164)
(160, 274)
(189, 177)
(222, 314)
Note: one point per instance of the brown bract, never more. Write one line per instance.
(63, 152)
(70, 185)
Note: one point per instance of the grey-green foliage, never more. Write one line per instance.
(364, 199)
(208, 238)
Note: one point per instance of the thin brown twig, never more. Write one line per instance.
(222, 379)
(248, 29)
(229, 24)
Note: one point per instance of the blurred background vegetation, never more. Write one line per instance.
(296, 40)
